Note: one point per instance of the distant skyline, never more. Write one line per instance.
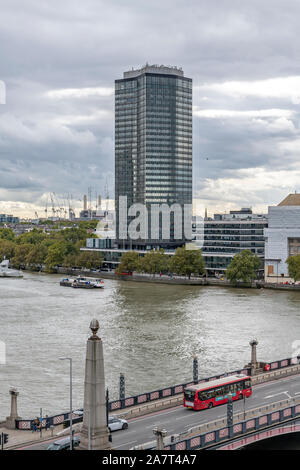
(59, 61)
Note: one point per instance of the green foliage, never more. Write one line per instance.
(7, 249)
(129, 262)
(89, 259)
(36, 248)
(34, 237)
(7, 234)
(88, 224)
(153, 262)
(293, 263)
(36, 256)
(20, 255)
(57, 253)
(243, 267)
(187, 262)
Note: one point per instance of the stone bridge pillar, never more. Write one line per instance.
(11, 420)
(94, 432)
(254, 363)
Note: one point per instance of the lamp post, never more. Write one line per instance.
(229, 411)
(71, 406)
(89, 429)
(195, 368)
(122, 386)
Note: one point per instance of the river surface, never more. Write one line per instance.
(150, 333)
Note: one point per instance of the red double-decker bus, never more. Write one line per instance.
(213, 393)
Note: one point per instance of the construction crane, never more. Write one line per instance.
(106, 195)
(52, 195)
(46, 209)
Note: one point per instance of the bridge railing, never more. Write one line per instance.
(177, 389)
(239, 429)
(157, 394)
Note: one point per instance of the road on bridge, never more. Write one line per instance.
(179, 419)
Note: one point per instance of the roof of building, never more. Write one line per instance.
(158, 69)
(291, 200)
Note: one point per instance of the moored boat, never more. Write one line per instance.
(6, 271)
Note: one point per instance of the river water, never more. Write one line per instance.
(150, 333)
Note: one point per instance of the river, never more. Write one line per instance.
(150, 333)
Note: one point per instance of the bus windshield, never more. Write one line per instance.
(189, 395)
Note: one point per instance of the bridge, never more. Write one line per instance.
(274, 401)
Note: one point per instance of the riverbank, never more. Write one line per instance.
(180, 280)
(156, 279)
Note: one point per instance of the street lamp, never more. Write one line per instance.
(229, 410)
(71, 406)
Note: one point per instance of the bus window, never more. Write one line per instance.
(248, 383)
(189, 395)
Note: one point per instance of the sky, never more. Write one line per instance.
(58, 63)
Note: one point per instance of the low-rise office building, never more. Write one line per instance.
(282, 238)
(228, 234)
(9, 219)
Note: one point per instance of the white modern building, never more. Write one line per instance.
(282, 238)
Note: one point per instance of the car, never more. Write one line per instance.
(64, 444)
(115, 424)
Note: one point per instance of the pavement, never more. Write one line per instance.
(18, 437)
(178, 419)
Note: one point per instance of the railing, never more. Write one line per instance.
(155, 395)
(202, 441)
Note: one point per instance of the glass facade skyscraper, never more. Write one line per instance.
(153, 144)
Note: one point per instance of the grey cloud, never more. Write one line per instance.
(65, 145)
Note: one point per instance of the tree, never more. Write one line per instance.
(7, 249)
(7, 234)
(73, 235)
(56, 255)
(20, 257)
(36, 256)
(187, 262)
(293, 263)
(153, 262)
(34, 237)
(88, 259)
(243, 267)
(129, 262)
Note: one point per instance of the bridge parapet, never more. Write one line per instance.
(147, 402)
(217, 431)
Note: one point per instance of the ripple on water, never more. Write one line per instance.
(150, 333)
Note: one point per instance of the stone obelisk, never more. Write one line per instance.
(94, 428)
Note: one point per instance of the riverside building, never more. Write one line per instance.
(153, 149)
(228, 234)
(282, 238)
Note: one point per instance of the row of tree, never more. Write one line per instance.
(243, 267)
(183, 262)
(37, 249)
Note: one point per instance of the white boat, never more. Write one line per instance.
(82, 282)
(6, 271)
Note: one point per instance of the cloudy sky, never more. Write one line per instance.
(59, 60)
